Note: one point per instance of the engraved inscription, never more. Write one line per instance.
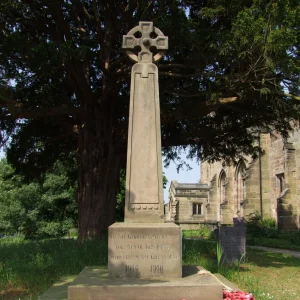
(134, 247)
(145, 257)
(141, 236)
(144, 247)
(131, 270)
(157, 269)
(144, 254)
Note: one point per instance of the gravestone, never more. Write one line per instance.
(143, 246)
(233, 241)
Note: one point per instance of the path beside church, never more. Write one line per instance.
(293, 253)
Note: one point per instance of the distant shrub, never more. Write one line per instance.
(54, 229)
(50, 229)
(261, 227)
(204, 231)
(13, 239)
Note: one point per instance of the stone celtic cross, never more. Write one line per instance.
(144, 191)
(145, 38)
(144, 246)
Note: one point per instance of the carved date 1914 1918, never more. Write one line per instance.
(132, 270)
(158, 269)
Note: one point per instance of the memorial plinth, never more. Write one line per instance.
(93, 283)
(144, 250)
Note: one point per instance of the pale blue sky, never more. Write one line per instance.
(184, 176)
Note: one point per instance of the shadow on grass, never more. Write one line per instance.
(269, 259)
(34, 265)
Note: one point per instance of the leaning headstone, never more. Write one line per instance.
(238, 222)
(233, 241)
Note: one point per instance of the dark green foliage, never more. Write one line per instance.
(165, 181)
(44, 208)
(121, 197)
(261, 227)
(218, 50)
(295, 239)
(34, 149)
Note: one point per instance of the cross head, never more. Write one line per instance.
(147, 40)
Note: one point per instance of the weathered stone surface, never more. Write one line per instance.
(94, 284)
(233, 243)
(144, 250)
(143, 37)
(280, 182)
(180, 207)
(59, 290)
(144, 191)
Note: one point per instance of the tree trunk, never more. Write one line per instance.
(99, 175)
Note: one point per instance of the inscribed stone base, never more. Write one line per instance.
(144, 250)
(94, 284)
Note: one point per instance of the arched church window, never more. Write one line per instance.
(240, 182)
(222, 186)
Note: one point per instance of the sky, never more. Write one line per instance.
(184, 176)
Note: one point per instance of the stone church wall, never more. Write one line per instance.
(183, 200)
(270, 186)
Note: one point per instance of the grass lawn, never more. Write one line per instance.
(268, 273)
(28, 268)
(280, 242)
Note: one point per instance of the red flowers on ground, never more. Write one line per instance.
(237, 295)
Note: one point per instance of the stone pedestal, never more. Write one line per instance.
(144, 250)
(94, 284)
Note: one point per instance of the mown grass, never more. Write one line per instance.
(28, 268)
(268, 275)
(282, 242)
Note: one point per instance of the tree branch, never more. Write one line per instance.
(292, 96)
(15, 112)
(197, 95)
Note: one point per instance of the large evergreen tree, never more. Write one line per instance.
(64, 85)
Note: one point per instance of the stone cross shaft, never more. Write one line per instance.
(144, 190)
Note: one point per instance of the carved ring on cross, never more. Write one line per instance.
(148, 40)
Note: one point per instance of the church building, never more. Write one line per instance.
(268, 185)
